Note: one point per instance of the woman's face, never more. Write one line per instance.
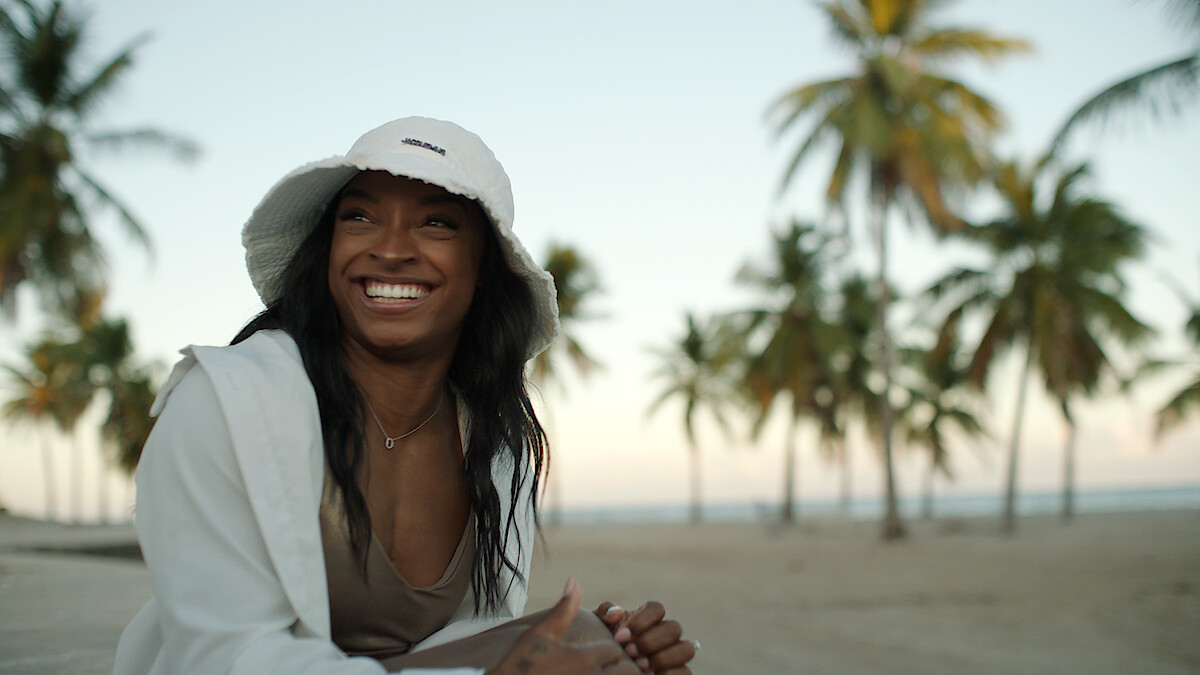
(403, 264)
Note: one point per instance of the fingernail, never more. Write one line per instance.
(613, 610)
(643, 663)
(623, 635)
(632, 650)
(569, 587)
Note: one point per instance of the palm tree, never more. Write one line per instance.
(62, 381)
(853, 366)
(576, 282)
(914, 133)
(1187, 400)
(106, 348)
(48, 94)
(51, 390)
(128, 423)
(938, 400)
(798, 343)
(694, 368)
(1167, 87)
(1055, 288)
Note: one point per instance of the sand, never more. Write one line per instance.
(1115, 593)
(1108, 594)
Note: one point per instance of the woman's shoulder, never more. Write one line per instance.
(270, 352)
(267, 359)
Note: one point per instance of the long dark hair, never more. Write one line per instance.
(488, 371)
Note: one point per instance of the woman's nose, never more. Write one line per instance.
(395, 246)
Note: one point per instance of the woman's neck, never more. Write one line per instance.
(401, 393)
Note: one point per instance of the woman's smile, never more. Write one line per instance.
(394, 294)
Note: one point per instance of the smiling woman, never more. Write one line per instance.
(284, 526)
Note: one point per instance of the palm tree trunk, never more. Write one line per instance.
(789, 470)
(1068, 503)
(927, 491)
(102, 489)
(893, 526)
(49, 478)
(1008, 524)
(695, 515)
(846, 478)
(76, 482)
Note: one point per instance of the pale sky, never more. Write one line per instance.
(634, 131)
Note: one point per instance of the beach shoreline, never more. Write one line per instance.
(1108, 593)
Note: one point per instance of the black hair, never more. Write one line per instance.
(487, 371)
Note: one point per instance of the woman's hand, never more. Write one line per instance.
(541, 649)
(654, 644)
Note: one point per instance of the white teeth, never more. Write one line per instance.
(382, 291)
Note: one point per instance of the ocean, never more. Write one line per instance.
(872, 508)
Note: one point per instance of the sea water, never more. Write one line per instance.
(871, 508)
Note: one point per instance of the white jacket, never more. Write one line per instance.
(229, 488)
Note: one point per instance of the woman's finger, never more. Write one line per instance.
(611, 614)
(646, 616)
(658, 637)
(559, 618)
(674, 656)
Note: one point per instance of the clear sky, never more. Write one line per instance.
(633, 130)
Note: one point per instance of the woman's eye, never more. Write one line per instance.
(441, 223)
(357, 216)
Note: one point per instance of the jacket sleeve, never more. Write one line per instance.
(221, 606)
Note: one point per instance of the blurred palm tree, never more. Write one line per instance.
(51, 390)
(797, 344)
(1055, 287)
(576, 282)
(853, 365)
(939, 403)
(65, 377)
(914, 133)
(106, 348)
(48, 95)
(696, 370)
(1164, 88)
(1187, 400)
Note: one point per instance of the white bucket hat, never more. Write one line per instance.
(436, 152)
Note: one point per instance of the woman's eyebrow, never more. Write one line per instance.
(431, 200)
(448, 198)
(359, 194)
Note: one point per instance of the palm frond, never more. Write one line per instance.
(180, 148)
(83, 100)
(956, 43)
(132, 226)
(1164, 90)
(1185, 402)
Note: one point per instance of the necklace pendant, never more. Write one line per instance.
(389, 442)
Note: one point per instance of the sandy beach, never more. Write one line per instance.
(1113, 593)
